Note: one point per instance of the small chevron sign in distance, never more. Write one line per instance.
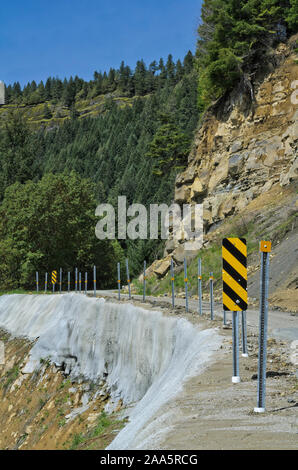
(54, 277)
(234, 274)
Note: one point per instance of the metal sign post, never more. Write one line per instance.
(54, 279)
(211, 279)
(68, 281)
(144, 282)
(46, 283)
(76, 280)
(244, 335)
(118, 280)
(94, 280)
(265, 249)
(236, 375)
(234, 275)
(173, 283)
(37, 282)
(60, 281)
(186, 285)
(128, 279)
(200, 304)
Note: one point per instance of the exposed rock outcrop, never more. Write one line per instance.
(241, 151)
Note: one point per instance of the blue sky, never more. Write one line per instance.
(39, 39)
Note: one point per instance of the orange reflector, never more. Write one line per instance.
(265, 246)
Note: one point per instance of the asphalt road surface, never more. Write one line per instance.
(282, 325)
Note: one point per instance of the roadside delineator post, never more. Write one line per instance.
(94, 280)
(265, 249)
(37, 282)
(76, 280)
(46, 283)
(86, 283)
(128, 279)
(186, 284)
(244, 335)
(60, 281)
(211, 279)
(80, 282)
(144, 283)
(173, 283)
(224, 317)
(234, 276)
(200, 305)
(68, 281)
(118, 280)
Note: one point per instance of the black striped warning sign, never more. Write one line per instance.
(54, 277)
(234, 274)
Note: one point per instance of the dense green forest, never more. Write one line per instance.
(141, 81)
(234, 37)
(52, 178)
(116, 152)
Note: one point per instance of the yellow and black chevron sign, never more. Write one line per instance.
(54, 277)
(234, 274)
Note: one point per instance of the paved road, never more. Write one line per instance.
(282, 325)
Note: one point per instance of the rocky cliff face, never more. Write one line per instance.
(241, 150)
(243, 168)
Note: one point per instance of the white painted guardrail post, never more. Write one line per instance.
(265, 249)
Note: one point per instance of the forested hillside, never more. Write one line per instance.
(133, 150)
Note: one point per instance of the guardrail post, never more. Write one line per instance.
(144, 283)
(200, 304)
(186, 284)
(94, 280)
(173, 283)
(128, 278)
(265, 249)
(236, 375)
(211, 296)
(60, 281)
(119, 280)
